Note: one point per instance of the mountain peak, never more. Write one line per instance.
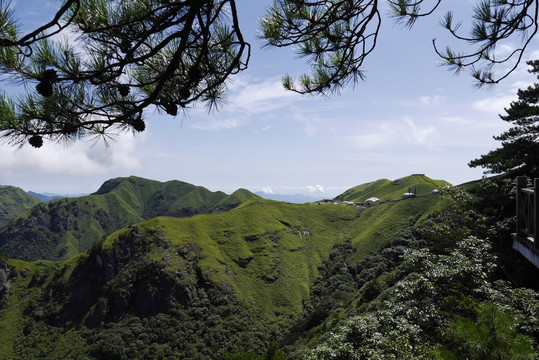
(14, 202)
(385, 189)
(114, 183)
(118, 202)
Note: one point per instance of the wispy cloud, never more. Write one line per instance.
(308, 121)
(217, 124)
(248, 100)
(397, 133)
(290, 189)
(253, 96)
(494, 104)
(421, 135)
(252, 100)
(373, 139)
(432, 101)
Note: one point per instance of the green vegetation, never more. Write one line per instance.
(269, 280)
(519, 151)
(13, 203)
(423, 295)
(409, 317)
(384, 189)
(62, 228)
(380, 222)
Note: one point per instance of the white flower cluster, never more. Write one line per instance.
(411, 306)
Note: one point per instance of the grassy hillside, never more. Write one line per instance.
(323, 281)
(264, 252)
(379, 223)
(262, 257)
(14, 202)
(384, 189)
(62, 228)
(223, 282)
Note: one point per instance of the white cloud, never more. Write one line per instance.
(432, 101)
(370, 140)
(247, 100)
(80, 159)
(309, 122)
(456, 120)
(315, 189)
(396, 133)
(494, 104)
(383, 134)
(503, 50)
(421, 135)
(520, 85)
(310, 189)
(534, 55)
(217, 124)
(254, 97)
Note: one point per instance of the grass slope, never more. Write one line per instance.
(379, 223)
(13, 203)
(266, 254)
(384, 189)
(62, 228)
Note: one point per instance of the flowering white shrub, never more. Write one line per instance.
(377, 335)
(413, 310)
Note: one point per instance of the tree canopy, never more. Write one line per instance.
(97, 65)
(519, 154)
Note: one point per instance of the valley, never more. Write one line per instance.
(171, 270)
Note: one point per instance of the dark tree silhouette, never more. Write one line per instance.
(122, 57)
(125, 56)
(519, 154)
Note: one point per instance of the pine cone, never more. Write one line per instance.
(36, 141)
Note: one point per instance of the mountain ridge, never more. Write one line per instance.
(385, 189)
(61, 228)
(14, 202)
(256, 262)
(213, 285)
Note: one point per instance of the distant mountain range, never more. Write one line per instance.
(60, 228)
(50, 196)
(137, 275)
(291, 198)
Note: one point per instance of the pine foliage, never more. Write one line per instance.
(519, 153)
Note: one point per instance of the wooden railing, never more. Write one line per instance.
(526, 239)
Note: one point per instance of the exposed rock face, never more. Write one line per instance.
(244, 261)
(4, 276)
(109, 283)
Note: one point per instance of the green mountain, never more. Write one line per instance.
(200, 287)
(404, 278)
(14, 202)
(62, 228)
(384, 189)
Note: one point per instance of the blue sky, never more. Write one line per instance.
(409, 116)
